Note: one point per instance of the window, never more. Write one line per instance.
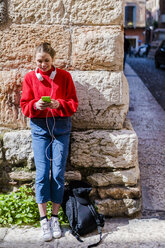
(130, 16)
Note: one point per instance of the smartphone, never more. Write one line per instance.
(46, 98)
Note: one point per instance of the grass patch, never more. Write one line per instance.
(20, 208)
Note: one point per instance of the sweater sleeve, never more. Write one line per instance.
(27, 99)
(68, 106)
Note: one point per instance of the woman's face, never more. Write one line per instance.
(44, 61)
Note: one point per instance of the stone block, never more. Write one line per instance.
(103, 99)
(39, 12)
(10, 89)
(66, 12)
(22, 176)
(124, 207)
(97, 48)
(128, 177)
(73, 175)
(119, 192)
(104, 149)
(18, 44)
(100, 12)
(17, 145)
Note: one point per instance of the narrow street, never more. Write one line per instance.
(153, 78)
(148, 120)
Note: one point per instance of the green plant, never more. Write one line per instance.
(20, 208)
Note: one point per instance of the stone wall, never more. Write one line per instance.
(88, 38)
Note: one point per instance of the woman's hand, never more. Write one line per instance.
(54, 104)
(41, 105)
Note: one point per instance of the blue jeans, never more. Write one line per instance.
(50, 154)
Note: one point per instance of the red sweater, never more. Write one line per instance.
(61, 88)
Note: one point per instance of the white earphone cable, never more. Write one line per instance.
(54, 123)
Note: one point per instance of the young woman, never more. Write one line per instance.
(50, 128)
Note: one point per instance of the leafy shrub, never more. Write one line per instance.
(20, 208)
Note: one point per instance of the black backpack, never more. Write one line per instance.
(82, 215)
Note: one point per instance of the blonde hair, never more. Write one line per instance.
(45, 47)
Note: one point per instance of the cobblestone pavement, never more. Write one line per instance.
(146, 231)
(153, 78)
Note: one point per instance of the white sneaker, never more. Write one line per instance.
(46, 232)
(55, 227)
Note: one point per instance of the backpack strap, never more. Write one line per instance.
(76, 235)
(74, 214)
(95, 215)
(72, 211)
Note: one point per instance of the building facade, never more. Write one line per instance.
(152, 11)
(135, 22)
(162, 14)
(155, 13)
(155, 24)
